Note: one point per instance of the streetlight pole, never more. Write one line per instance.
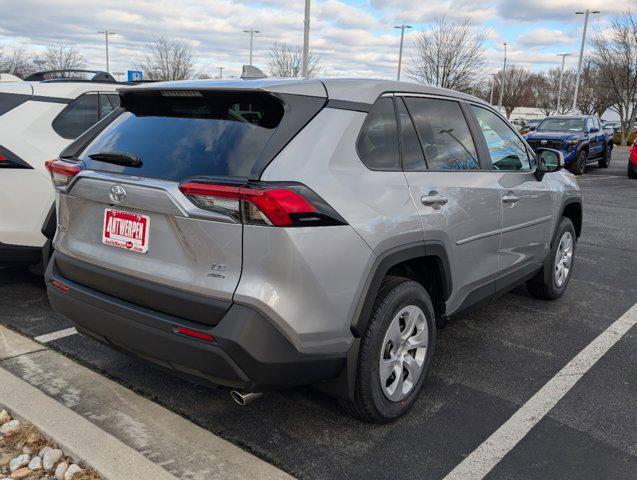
(251, 31)
(559, 90)
(400, 51)
(581, 55)
(504, 67)
(106, 35)
(306, 40)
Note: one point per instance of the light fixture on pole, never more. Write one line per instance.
(306, 40)
(581, 55)
(504, 67)
(400, 51)
(251, 31)
(559, 90)
(106, 35)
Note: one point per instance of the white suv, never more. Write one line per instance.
(39, 117)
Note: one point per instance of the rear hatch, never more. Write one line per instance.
(127, 212)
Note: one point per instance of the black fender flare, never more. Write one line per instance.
(389, 259)
(343, 385)
(582, 145)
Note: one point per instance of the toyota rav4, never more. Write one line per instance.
(267, 234)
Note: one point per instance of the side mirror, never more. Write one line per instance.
(531, 128)
(549, 161)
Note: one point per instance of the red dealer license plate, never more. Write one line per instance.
(126, 230)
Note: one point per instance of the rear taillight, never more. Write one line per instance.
(62, 172)
(278, 205)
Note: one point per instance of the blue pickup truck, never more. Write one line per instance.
(580, 137)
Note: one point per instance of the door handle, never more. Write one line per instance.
(511, 198)
(433, 199)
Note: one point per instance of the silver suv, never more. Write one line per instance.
(266, 234)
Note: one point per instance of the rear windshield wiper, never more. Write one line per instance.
(118, 158)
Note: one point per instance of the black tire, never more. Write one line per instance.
(370, 403)
(579, 165)
(604, 162)
(544, 285)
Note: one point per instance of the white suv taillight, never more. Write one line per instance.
(62, 172)
(278, 205)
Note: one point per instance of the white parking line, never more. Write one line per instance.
(484, 458)
(599, 177)
(49, 337)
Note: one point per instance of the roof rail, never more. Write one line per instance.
(70, 75)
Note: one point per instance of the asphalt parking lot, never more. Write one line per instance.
(488, 363)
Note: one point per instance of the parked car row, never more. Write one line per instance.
(272, 233)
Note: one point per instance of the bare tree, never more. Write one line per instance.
(167, 60)
(594, 96)
(518, 88)
(450, 55)
(547, 90)
(613, 54)
(287, 61)
(60, 57)
(19, 63)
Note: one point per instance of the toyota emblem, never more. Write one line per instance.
(118, 194)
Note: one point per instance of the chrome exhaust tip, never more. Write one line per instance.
(243, 398)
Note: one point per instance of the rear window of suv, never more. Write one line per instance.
(181, 134)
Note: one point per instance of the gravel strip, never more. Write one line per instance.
(25, 454)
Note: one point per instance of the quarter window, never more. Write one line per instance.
(443, 133)
(378, 141)
(78, 116)
(508, 152)
(108, 103)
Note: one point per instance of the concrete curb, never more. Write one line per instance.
(111, 428)
(76, 436)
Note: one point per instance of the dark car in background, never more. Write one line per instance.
(580, 138)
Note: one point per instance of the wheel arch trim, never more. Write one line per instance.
(389, 259)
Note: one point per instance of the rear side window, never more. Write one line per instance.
(8, 101)
(444, 134)
(413, 159)
(78, 116)
(178, 135)
(107, 103)
(378, 141)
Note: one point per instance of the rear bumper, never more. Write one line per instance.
(248, 352)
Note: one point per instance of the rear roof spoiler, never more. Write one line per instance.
(71, 75)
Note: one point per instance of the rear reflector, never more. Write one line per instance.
(194, 334)
(62, 172)
(60, 286)
(3, 158)
(279, 205)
